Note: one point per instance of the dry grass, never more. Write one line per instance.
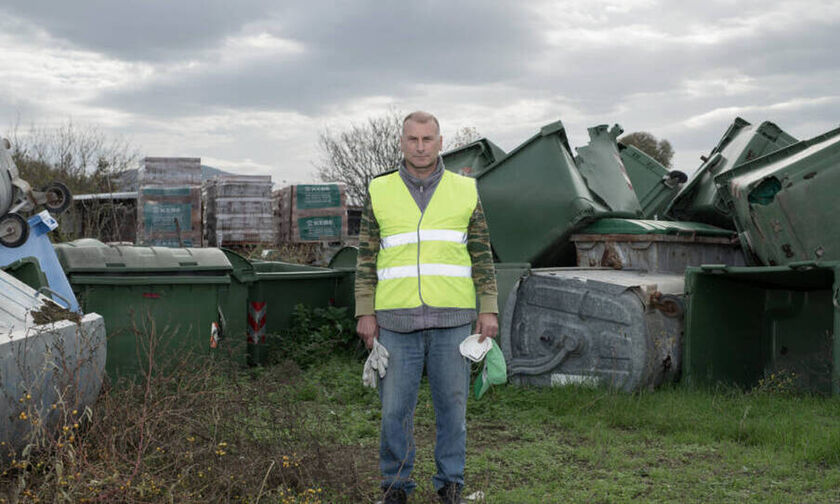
(204, 430)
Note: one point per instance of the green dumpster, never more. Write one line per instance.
(278, 288)
(699, 199)
(653, 184)
(605, 175)
(473, 158)
(784, 203)
(745, 324)
(28, 270)
(170, 296)
(535, 198)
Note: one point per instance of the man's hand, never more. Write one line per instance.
(487, 326)
(368, 329)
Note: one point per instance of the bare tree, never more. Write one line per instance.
(462, 137)
(84, 158)
(659, 150)
(355, 155)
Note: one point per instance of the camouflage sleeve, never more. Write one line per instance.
(483, 272)
(366, 263)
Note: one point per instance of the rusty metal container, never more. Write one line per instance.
(655, 246)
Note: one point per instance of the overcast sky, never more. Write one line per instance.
(248, 85)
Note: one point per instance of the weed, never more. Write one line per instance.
(781, 382)
(315, 335)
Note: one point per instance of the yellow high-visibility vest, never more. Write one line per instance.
(423, 256)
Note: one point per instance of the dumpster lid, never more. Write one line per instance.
(123, 259)
(345, 258)
(646, 227)
(243, 270)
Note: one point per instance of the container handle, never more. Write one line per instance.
(46, 290)
(714, 268)
(802, 265)
(530, 367)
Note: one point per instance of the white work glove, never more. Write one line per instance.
(377, 361)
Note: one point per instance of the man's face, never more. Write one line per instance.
(421, 144)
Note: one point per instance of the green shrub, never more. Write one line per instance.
(315, 335)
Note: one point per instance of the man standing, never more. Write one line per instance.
(424, 258)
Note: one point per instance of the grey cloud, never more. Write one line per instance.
(353, 50)
(146, 30)
(369, 49)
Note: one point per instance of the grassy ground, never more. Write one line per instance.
(591, 445)
(282, 435)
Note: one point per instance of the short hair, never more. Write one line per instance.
(422, 118)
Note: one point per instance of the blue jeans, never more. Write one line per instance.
(449, 380)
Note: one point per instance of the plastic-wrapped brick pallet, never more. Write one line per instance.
(311, 213)
(169, 216)
(169, 202)
(170, 172)
(238, 209)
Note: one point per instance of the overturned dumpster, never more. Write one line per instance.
(36, 261)
(745, 324)
(473, 158)
(784, 203)
(48, 356)
(536, 197)
(699, 199)
(600, 165)
(621, 329)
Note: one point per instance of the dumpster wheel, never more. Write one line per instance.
(57, 197)
(13, 230)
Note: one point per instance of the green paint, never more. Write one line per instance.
(161, 216)
(166, 191)
(317, 196)
(320, 228)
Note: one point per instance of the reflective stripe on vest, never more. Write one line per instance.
(425, 269)
(425, 235)
(423, 257)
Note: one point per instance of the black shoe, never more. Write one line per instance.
(395, 496)
(450, 493)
